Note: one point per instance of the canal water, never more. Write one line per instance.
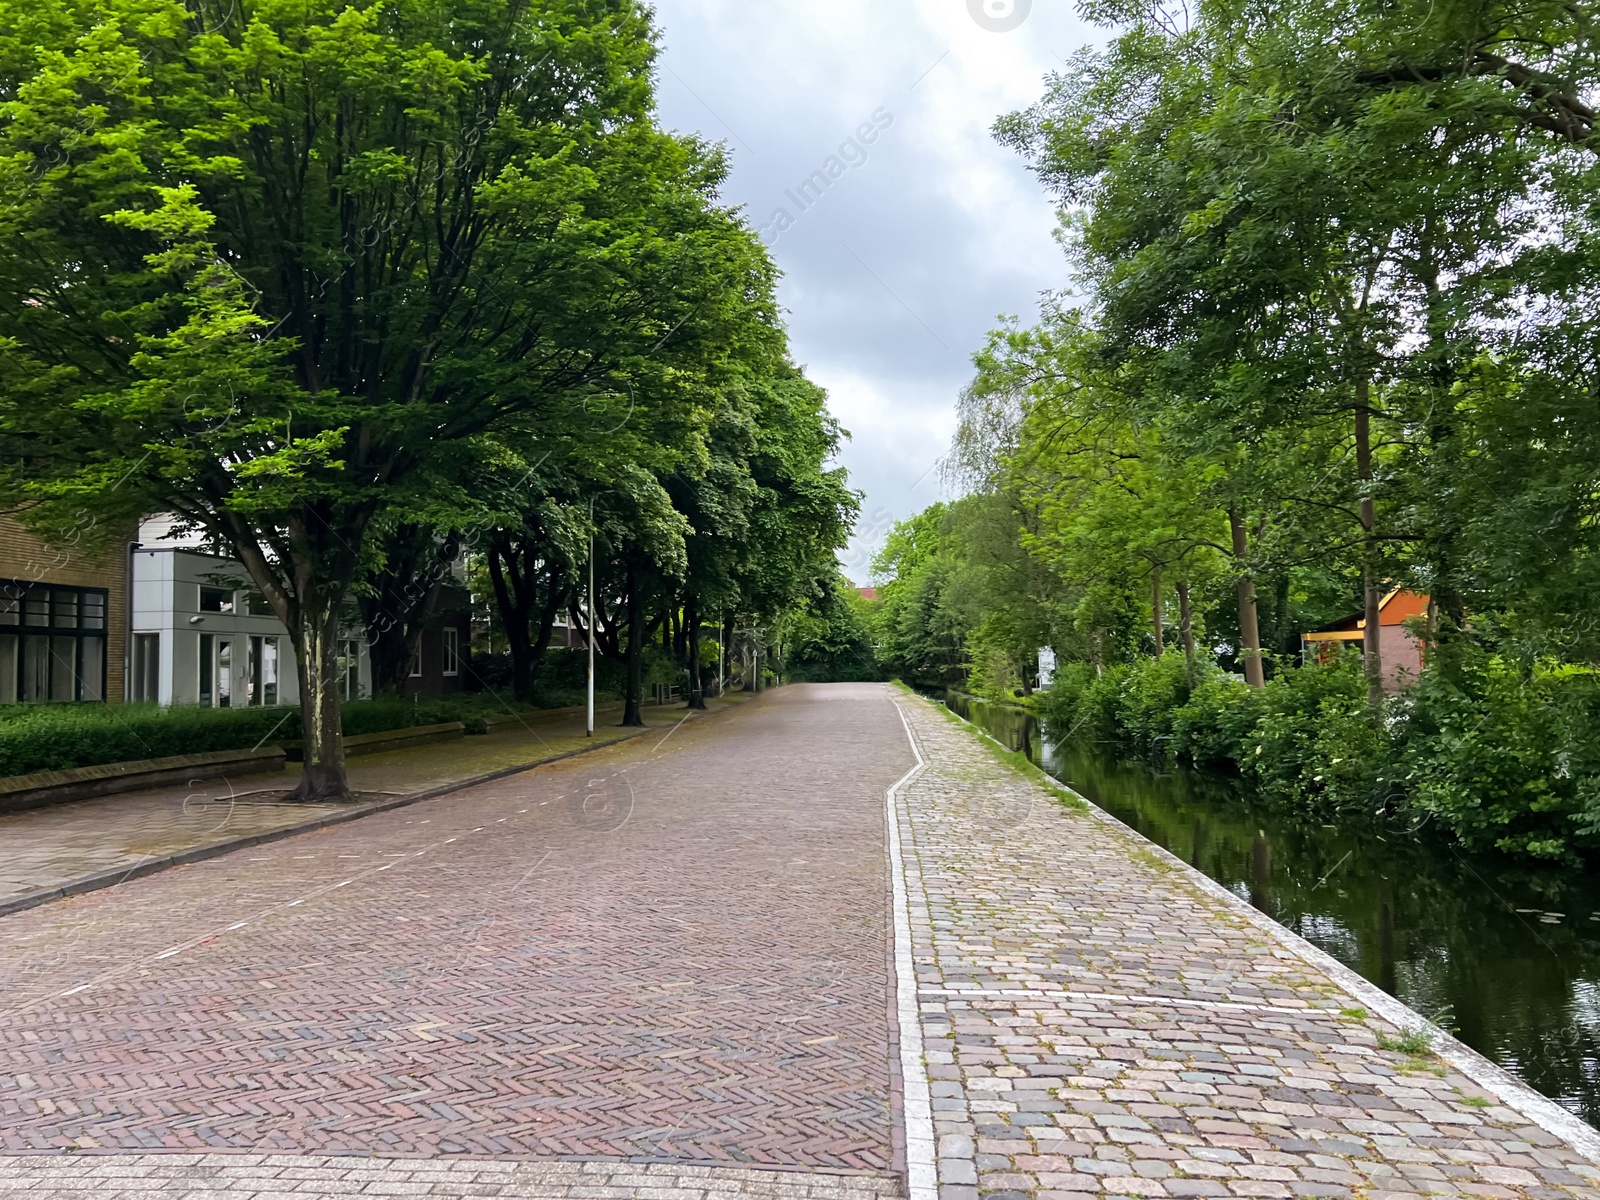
(1506, 956)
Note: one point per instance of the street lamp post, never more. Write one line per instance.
(590, 639)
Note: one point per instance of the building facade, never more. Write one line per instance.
(202, 634)
(1401, 651)
(63, 620)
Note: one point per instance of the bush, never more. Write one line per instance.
(49, 737)
(58, 737)
(1315, 742)
(1505, 756)
(1149, 699)
(1212, 729)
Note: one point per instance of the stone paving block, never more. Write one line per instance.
(1190, 1054)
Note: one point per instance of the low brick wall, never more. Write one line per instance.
(19, 792)
(389, 739)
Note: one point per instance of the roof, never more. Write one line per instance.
(1398, 607)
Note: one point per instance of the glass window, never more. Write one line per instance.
(215, 599)
(35, 669)
(225, 672)
(452, 652)
(8, 668)
(257, 605)
(208, 650)
(416, 660)
(93, 610)
(66, 609)
(91, 671)
(147, 666)
(350, 662)
(63, 668)
(67, 664)
(36, 607)
(269, 671)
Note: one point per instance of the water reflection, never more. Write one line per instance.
(1509, 955)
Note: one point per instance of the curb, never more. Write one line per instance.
(106, 879)
(1535, 1106)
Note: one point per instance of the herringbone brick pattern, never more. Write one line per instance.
(300, 1177)
(665, 950)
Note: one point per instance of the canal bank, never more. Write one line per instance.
(1505, 955)
(1099, 1018)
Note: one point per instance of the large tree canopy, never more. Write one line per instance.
(287, 268)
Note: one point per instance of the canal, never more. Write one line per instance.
(1505, 955)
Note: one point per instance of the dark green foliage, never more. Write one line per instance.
(1506, 757)
(1501, 756)
(58, 737)
(833, 639)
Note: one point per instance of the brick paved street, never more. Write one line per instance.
(668, 949)
(1097, 1024)
(46, 847)
(661, 971)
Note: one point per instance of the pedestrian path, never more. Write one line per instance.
(48, 847)
(1100, 1021)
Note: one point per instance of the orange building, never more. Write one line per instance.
(1401, 649)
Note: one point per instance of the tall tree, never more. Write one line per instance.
(278, 268)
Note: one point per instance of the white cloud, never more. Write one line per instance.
(894, 276)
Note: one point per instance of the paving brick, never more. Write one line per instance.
(1197, 1057)
(649, 951)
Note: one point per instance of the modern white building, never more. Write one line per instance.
(202, 634)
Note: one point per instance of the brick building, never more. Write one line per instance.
(63, 620)
(1401, 650)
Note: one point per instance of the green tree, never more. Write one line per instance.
(282, 268)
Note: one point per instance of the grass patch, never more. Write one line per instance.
(1415, 1043)
(1353, 1014)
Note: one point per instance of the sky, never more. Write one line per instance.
(928, 230)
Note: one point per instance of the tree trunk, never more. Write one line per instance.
(511, 597)
(1155, 609)
(317, 653)
(1186, 620)
(633, 702)
(1372, 586)
(691, 622)
(1249, 629)
(727, 654)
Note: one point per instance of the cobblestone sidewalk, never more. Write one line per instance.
(1097, 1023)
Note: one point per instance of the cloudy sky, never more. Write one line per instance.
(895, 273)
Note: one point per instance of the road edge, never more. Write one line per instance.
(916, 1093)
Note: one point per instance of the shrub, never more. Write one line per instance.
(1315, 742)
(58, 737)
(49, 737)
(1212, 729)
(1148, 699)
(1506, 757)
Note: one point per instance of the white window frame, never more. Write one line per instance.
(451, 644)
